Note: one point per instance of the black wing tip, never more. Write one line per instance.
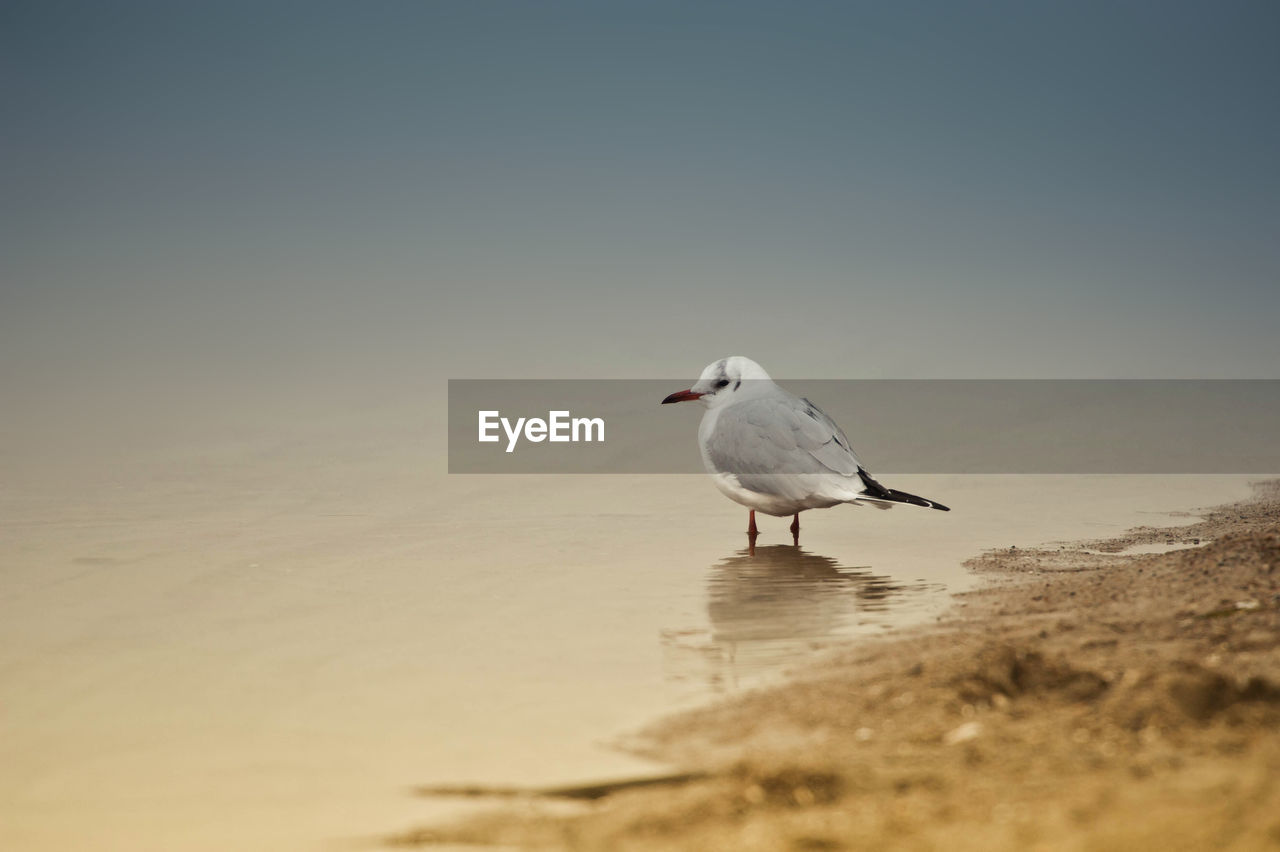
(875, 489)
(904, 497)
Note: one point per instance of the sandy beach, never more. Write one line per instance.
(1115, 693)
(271, 645)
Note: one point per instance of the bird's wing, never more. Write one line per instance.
(827, 442)
(780, 446)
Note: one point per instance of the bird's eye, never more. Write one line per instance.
(722, 383)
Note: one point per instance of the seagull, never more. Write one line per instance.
(776, 453)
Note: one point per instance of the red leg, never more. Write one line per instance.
(751, 525)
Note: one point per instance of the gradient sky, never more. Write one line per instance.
(262, 194)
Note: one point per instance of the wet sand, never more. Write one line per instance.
(1112, 693)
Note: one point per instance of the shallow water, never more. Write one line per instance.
(1148, 549)
(266, 647)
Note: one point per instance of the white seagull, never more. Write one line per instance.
(776, 453)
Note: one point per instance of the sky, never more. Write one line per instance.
(246, 197)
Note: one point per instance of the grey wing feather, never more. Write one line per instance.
(832, 448)
(767, 442)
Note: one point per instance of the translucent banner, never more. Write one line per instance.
(894, 426)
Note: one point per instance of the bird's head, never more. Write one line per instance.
(725, 381)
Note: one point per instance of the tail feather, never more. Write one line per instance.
(876, 491)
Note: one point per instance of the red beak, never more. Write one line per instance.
(682, 396)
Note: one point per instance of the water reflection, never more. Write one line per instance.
(774, 605)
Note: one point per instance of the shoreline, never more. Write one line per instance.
(1087, 695)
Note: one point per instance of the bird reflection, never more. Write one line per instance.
(771, 606)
